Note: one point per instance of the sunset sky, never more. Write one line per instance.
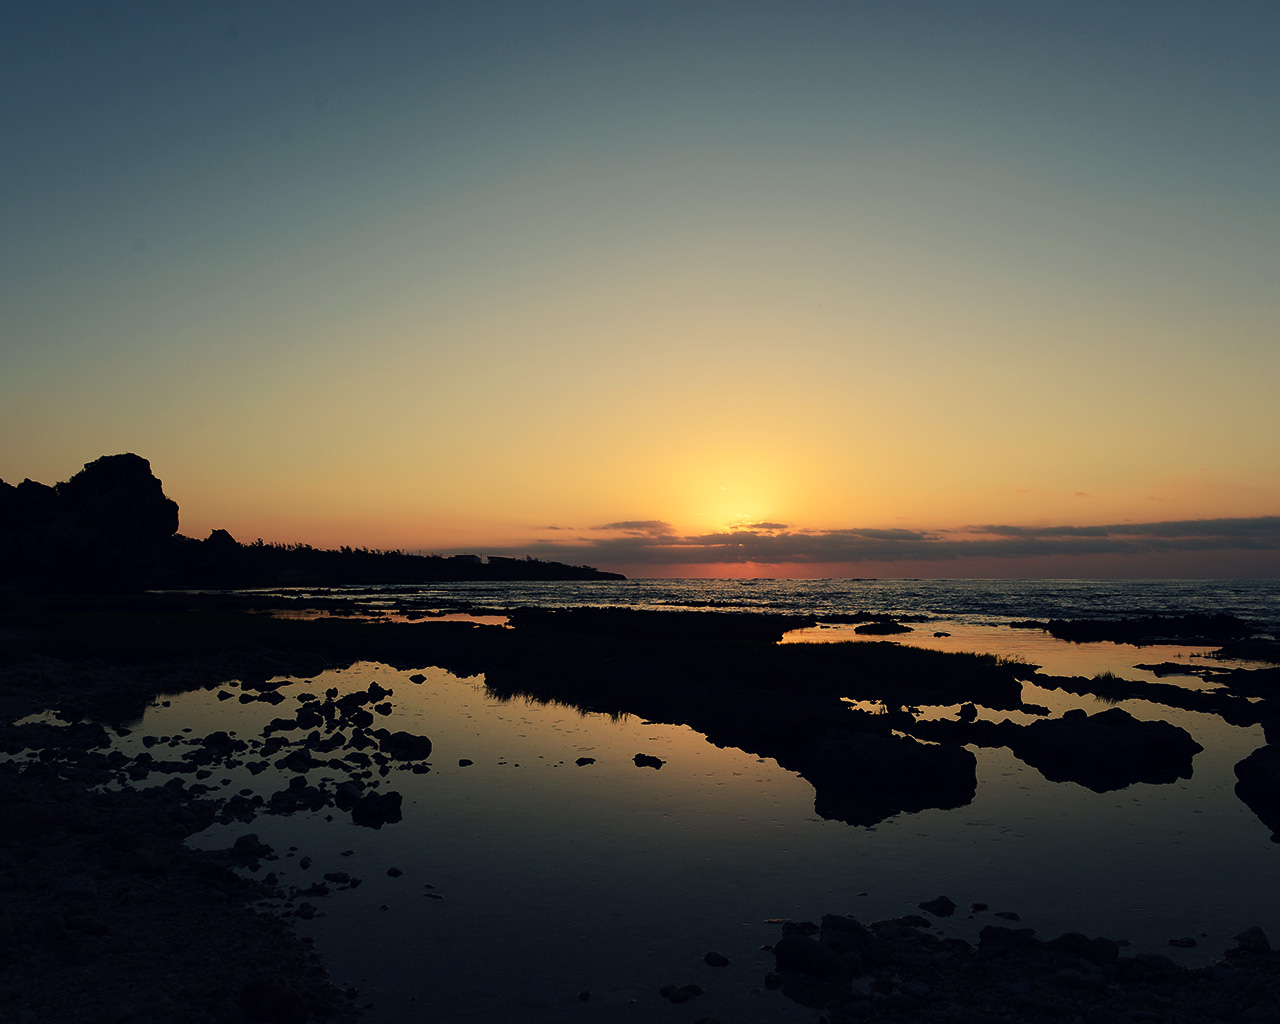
(697, 288)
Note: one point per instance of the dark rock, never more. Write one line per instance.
(297, 760)
(681, 993)
(715, 960)
(1156, 963)
(994, 938)
(272, 999)
(1259, 785)
(1099, 950)
(940, 907)
(863, 778)
(465, 762)
(809, 956)
(858, 945)
(648, 761)
(580, 762)
(142, 861)
(1106, 751)
(886, 627)
(106, 528)
(1252, 940)
(403, 746)
(377, 809)
(250, 847)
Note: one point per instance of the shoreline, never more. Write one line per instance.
(73, 939)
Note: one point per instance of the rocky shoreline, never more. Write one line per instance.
(105, 914)
(901, 970)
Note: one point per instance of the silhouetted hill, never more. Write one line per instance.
(111, 528)
(219, 561)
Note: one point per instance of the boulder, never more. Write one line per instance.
(806, 955)
(1259, 785)
(1106, 751)
(403, 746)
(863, 778)
(940, 907)
(373, 810)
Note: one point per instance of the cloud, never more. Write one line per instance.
(639, 527)
(655, 542)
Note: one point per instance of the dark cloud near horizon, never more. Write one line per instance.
(655, 542)
(642, 527)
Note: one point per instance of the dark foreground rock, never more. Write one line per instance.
(862, 778)
(106, 916)
(1259, 785)
(900, 970)
(1106, 751)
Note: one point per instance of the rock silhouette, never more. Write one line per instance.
(111, 529)
(1106, 751)
(1259, 785)
(107, 528)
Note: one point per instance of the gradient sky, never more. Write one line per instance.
(738, 288)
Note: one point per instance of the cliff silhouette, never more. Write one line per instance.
(110, 528)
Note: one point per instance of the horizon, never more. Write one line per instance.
(677, 291)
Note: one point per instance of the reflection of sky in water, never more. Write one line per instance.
(1055, 657)
(617, 879)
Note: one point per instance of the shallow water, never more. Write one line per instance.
(557, 879)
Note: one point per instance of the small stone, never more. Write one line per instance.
(584, 995)
(648, 761)
(394, 872)
(584, 761)
(681, 993)
(940, 907)
(1187, 942)
(465, 762)
(715, 960)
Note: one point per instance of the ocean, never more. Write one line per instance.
(988, 602)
